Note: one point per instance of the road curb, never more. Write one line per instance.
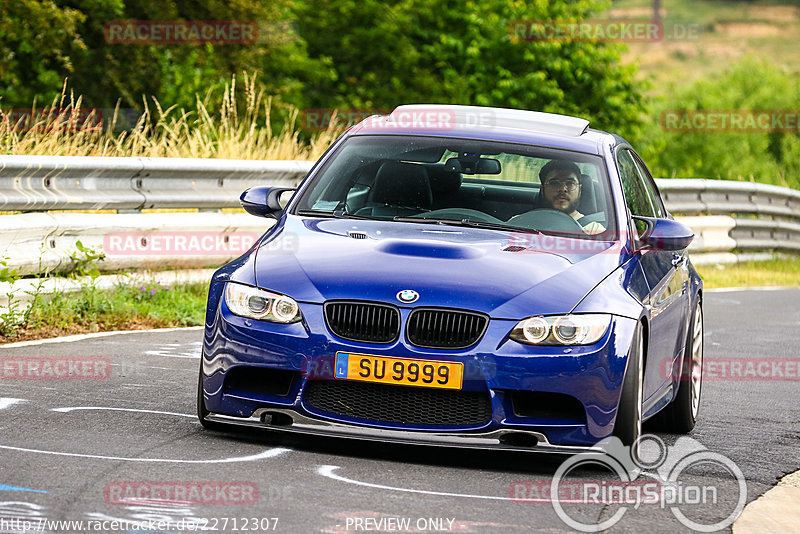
(80, 337)
(775, 511)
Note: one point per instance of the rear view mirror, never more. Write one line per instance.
(473, 166)
(663, 234)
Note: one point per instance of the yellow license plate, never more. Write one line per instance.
(400, 371)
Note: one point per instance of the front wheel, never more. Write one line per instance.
(202, 412)
(680, 415)
(628, 425)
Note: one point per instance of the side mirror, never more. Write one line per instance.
(663, 234)
(263, 201)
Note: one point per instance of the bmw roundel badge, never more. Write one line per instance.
(408, 296)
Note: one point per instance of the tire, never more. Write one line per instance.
(680, 415)
(202, 412)
(628, 424)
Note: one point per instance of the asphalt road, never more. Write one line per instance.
(74, 449)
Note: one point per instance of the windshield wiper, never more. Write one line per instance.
(315, 213)
(467, 222)
(336, 214)
(424, 220)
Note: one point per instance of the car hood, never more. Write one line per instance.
(504, 274)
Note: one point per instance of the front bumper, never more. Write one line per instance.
(497, 366)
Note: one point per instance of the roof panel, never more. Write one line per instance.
(478, 117)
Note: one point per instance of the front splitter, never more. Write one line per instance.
(296, 423)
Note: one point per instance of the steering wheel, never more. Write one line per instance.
(460, 213)
(546, 219)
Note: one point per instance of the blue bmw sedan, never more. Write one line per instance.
(462, 276)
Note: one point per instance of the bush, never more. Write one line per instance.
(750, 84)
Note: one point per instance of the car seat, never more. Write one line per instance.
(400, 189)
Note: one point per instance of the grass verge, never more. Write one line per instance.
(123, 308)
(778, 271)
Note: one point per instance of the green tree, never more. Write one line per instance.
(175, 73)
(38, 40)
(42, 42)
(462, 52)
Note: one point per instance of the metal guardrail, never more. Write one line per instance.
(44, 183)
(726, 216)
(761, 217)
(47, 242)
(726, 197)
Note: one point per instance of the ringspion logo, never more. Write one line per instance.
(648, 473)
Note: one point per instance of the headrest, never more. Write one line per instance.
(443, 182)
(588, 202)
(404, 184)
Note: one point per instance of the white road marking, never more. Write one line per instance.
(107, 409)
(128, 366)
(178, 350)
(760, 288)
(5, 402)
(269, 453)
(328, 472)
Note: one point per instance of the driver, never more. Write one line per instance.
(561, 190)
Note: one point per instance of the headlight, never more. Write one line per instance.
(579, 329)
(255, 303)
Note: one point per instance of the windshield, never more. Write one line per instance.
(464, 182)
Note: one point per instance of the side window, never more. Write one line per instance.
(647, 178)
(636, 195)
